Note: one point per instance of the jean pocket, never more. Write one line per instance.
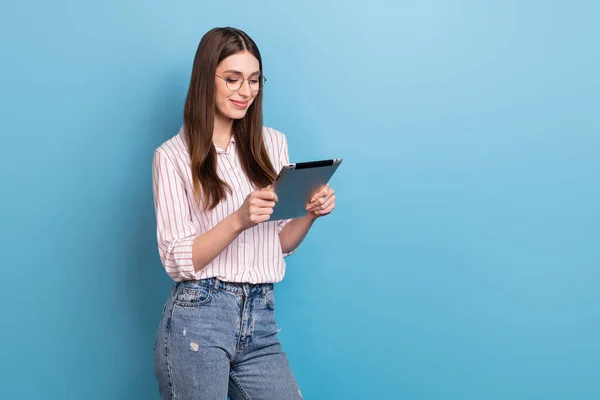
(270, 299)
(158, 330)
(192, 295)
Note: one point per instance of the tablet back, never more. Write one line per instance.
(297, 183)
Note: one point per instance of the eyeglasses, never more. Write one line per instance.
(234, 82)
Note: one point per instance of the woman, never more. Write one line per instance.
(218, 336)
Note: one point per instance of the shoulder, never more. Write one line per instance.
(172, 154)
(274, 139)
(174, 149)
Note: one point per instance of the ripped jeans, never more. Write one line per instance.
(217, 339)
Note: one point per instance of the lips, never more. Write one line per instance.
(239, 104)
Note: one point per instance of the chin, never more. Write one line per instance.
(237, 114)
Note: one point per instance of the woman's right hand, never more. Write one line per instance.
(257, 208)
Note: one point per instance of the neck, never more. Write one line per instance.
(223, 128)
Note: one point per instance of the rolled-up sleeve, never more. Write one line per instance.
(284, 159)
(175, 230)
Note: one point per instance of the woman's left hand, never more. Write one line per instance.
(322, 203)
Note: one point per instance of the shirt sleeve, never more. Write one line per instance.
(175, 230)
(284, 158)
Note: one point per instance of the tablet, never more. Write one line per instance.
(297, 183)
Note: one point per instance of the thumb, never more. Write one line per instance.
(266, 188)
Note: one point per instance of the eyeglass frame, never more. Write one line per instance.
(243, 81)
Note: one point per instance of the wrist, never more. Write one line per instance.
(236, 222)
(311, 217)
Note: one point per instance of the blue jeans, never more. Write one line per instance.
(218, 339)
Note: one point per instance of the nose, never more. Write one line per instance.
(245, 90)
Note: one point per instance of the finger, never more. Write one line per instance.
(320, 201)
(260, 218)
(326, 210)
(266, 195)
(264, 218)
(262, 203)
(323, 206)
(324, 192)
(314, 204)
(315, 195)
(265, 211)
(317, 204)
(261, 210)
(327, 204)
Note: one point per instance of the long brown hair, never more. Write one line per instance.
(199, 115)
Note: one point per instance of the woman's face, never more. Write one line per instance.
(231, 71)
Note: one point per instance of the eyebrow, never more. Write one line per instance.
(240, 73)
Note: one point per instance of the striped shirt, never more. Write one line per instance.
(254, 256)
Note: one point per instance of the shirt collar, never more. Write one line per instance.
(220, 150)
(182, 133)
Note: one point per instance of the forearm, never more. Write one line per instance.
(294, 232)
(210, 244)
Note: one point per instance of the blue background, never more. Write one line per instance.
(462, 261)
